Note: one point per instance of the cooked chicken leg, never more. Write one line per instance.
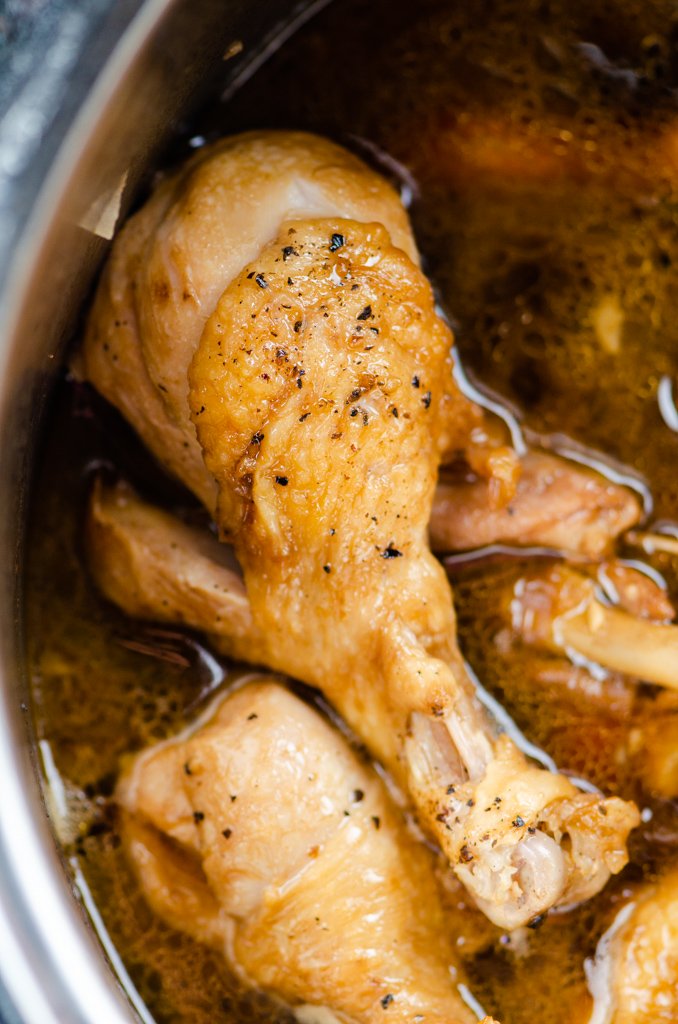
(634, 976)
(199, 228)
(260, 833)
(562, 609)
(323, 400)
(393, 670)
(317, 397)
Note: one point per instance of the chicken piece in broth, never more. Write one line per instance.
(199, 228)
(323, 401)
(556, 504)
(173, 259)
(634, 975)
(562, 609)
(261, 834)
(318, 395)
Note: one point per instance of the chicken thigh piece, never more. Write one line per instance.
(634, 975)
(173, 259)
(261, 834)
(318, 398)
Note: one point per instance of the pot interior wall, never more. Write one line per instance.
(119, 88)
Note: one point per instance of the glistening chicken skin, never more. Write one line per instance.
(261, 834)
(634, 975)
(317, 396)
(174, 258)
(323, 402)
(197, 230)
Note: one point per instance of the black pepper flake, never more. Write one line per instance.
(518, 822)
(465, 855)
(252, 716)
(234, 797)
(394, 412)
(451, 789)
(227, 833)
(282, 480)
(250, 275)
(426, 399)
(280, 353)
(537, 921)
(375, 330)
(415, 381)
(327, 569)
(470, 803)
(336, 242)
(386, 1000)
(391, 552)
(257, 438)
(261, 281)
(602, 810)
(366, 313)
(198, 816)
(357, 795)
(531, 830)
(297, 326)
(354, 412)
(376, 822)
(288, 251)
(300, 383)
(497, 800)
(304, 417)
(187, 769)
(332, 531)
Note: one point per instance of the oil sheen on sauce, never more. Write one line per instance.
(537, 144)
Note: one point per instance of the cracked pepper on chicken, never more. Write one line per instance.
(323, 401)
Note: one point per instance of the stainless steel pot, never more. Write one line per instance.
(89, 97)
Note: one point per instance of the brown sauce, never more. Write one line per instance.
(542, 139)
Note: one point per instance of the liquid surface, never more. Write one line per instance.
(539, 144)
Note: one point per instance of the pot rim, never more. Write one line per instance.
(47, 981)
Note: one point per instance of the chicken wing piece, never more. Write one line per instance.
(260, 833)
(317, 397)
(557, 504)
(634, 975)
(564, 610)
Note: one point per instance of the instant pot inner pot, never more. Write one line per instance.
(115, 88)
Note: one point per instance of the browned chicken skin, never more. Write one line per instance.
(199, 228)
(322, 398)
(634, 977)
(260, 833)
